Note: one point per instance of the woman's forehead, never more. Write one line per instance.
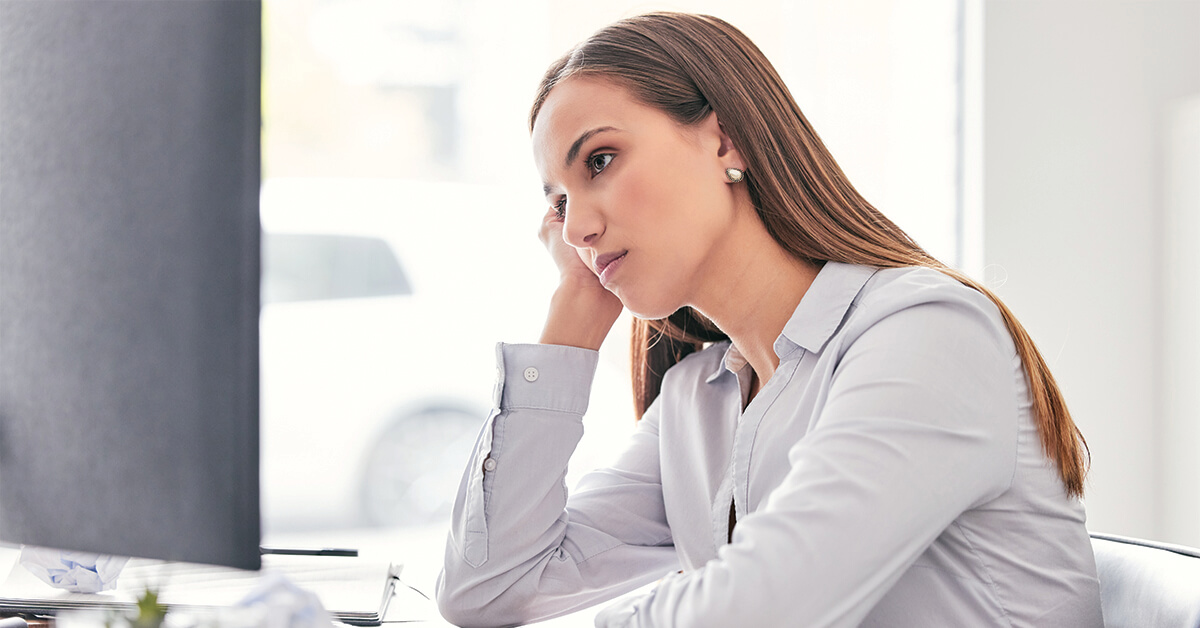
(580, 100)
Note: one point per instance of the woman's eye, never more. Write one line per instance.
(560, 208)
(599, 162)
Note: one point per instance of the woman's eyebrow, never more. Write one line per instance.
(574, 150)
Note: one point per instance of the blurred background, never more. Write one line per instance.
(1049, 147)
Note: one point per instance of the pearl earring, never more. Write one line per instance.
(734, 175)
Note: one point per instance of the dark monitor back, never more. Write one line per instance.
(129, 277)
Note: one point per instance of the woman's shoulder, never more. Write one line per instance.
(894, 289)
(916, 284)
(926, 297)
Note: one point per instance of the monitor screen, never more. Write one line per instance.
(129, 277)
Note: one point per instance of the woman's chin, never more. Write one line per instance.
(646, 310)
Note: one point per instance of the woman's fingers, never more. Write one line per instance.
(551, 225)
(571, 262)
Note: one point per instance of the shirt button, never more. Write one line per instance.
(531, 374)
(489, 464)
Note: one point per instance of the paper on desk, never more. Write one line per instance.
(79, 572)
(277, 602)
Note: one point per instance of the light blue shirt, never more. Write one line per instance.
(888, 474)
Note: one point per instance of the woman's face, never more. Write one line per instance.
(644, 200)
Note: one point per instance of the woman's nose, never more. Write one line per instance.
(582, 225)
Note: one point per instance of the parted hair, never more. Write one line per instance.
(689, 66)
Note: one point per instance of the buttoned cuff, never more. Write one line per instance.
(546, 377)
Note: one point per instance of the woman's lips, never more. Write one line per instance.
(607, 264)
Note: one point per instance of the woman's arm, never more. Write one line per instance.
(519, 550)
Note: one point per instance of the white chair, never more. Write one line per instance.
(1144, 584)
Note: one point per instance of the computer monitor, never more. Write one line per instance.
(129, 277)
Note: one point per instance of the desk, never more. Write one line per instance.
(420, 550)
(352, 588)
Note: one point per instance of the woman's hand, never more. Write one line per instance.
(572, 265)
(581, 311)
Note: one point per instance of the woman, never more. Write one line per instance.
(835, 430)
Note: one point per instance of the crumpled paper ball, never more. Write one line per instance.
(78, 572)
(277, 602)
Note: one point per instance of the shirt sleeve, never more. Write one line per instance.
(519, 549)
(920, 425)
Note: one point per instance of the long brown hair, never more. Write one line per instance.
(691, 65)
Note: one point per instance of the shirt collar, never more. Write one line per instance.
(733, 362)
(816, 318)
(824, 306)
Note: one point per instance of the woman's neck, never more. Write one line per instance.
(752, 290)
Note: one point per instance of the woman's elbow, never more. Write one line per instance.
(469, 606)
(459, 615)
(452, 603)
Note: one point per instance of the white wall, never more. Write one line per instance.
(1181, 317)
(1078, 102)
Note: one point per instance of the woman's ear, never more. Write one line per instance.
(727, 153)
